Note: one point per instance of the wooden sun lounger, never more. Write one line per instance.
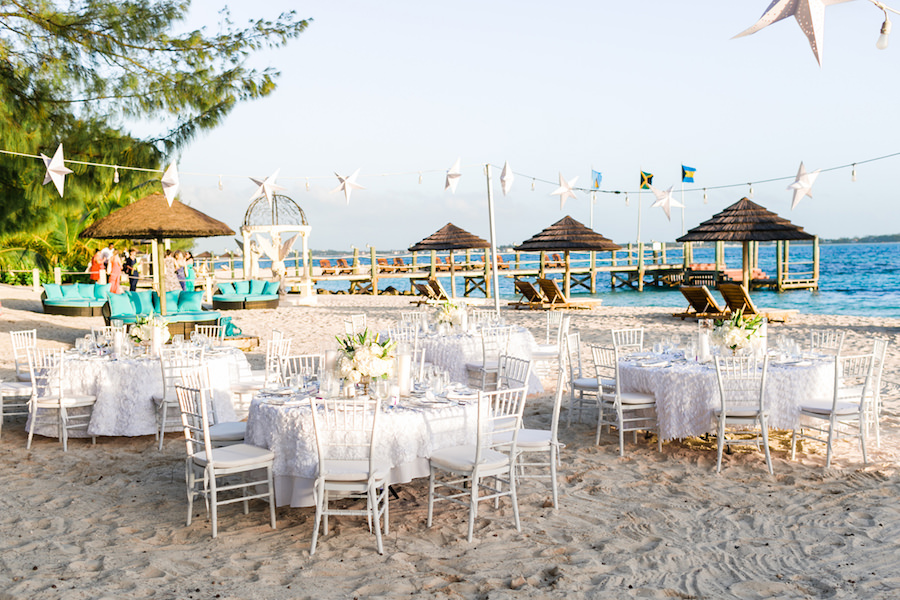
(531, 296)
(327, 269)
(556, 299)
(345, 269)
(426, 294)
(400, 266)
(737, 298)
(701, 304)
(439, 291)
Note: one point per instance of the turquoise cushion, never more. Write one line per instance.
(272, 287)
(229, 297)
(142, 302)
(86, 290)
(226, 288)
(241, 287)
(172, 302)
(53, 291)
(257, 286)
(194, 316)
(260, 298)
(101, 292)
(69, 302)
(190, 301)
(71, 291)
(120, 304)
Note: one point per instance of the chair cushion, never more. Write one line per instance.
(586, 383)
(73, 302)
(462, 458)
(15, 388)
(257, 286)
(70, 291)
(272, 288)
(193, 316)
(529, 439)
(190, 301)
(238, 455)
(86, 290)
(230, 431)
(739, 413)
(823, 406)
(142, 302)
(53, 291)
(353, 470)
(631, 398)
(101, 291)
(259, 298)
(225, 288)
(121, 304)
(172, 301)
(242, 287)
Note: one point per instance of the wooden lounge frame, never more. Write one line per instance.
(701, 304)
(327, 269)
(531, 296)
(556, 298)
(737, 298)
(441, 294)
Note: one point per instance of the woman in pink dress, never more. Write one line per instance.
(115, 273)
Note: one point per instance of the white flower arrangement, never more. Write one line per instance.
(142, 329)
(451, 314)
(738, 333)
(363, 356)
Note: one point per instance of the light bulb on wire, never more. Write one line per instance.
(221, 185)
(882, 42)
(705, 197)
(751, 191)
(116, 175)
(853, 173)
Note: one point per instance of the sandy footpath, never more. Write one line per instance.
(107, 521)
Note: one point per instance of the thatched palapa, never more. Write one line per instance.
(567, 234)
(745, 221)
(151, 217)
(450, 237)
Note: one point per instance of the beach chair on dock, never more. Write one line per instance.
(327, 269)
(737, 298)
(400, 266)
(441, 264)
(556, 298)
(701, 304)
(531, 296)
(439, 291)
(344, 268)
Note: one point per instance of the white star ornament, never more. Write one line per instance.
(453, 176)
(267, 187)
(347, 184)
(665, 200)
(802, 185)
(506, 178)
(170, 183)
(564, 190)
(56, 170)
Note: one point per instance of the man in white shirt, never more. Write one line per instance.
(106, 253)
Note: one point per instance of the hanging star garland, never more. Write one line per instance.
(665, 200)
(810, 15)
(564, 190)
(506, 178)
(453, 176)
(802, 185)
(267, 187)
(170, 183)
(56, 170)
(347, 184)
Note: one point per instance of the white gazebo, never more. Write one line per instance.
(272, 224)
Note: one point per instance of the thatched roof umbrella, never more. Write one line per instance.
(567, 235)
(450, 237)
(745, 221)
(152, 217)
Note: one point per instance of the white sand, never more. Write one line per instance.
(107, 521)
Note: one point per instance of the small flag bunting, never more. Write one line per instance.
(596, 178)
(687, 174)
(646, 180)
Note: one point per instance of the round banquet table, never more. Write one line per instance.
(452, 351)
(687, 392)
(406, 438)
(125, 387)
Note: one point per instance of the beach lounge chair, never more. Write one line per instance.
(384, 266)
(426, 294)
(441, 264)
(737, 298)
(345, 269)
(531, 297)
(400, 266)
(439, 290)
(701, 304)
(327, 269)
(556, 299)
(501, 264)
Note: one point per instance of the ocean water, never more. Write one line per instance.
(854, 279)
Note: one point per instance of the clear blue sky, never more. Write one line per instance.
(404, 86)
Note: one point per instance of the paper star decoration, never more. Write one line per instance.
(56, 170)
(170, 183)
(810, 15)
(506, 178)
(666, 200)
(453, 176)
(347, 184)
(802, 185)
(267, 187)
(564, 190)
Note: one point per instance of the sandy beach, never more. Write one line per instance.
(108, 521)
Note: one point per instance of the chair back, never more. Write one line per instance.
(275, 349)
(829, 341)
(573, 355)
(742, 384)
(214, 333)
(551, 290)
(404, 331)
(21, 342)
(197, 377)
(879, 351)
(482, 317)
(554, 321)
(195, 421)
(46, 366)
(439, 291)
(700, 299)
(494, 342)
(174, 362)
(737, 298)
(853, 380)
(628, 340)
(605, 363)
(345, 430)
(415, 317)
(301, 365)
(527, 289)
(105, 334)
(514, 371)
(355, 324)
(499, 413)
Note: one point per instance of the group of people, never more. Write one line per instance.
(179, 269)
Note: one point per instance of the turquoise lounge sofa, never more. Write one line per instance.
(183, 309)
(253, 293)
(74, 299)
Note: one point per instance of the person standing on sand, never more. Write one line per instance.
(171, 280)
(179, 267)
(131, 269)
(96, 266)
(106, 253)
(115, 273)
(189, 271)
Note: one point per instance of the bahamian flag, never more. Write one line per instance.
(596, 178)
(646, 180)
(687, 174)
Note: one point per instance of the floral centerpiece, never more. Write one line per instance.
(738, 333)
(451, 314)
(364, 358)
(143, 329)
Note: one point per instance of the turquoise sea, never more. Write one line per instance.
(855, 279)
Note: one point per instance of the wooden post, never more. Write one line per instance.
(517, 260)
(415, 258)
(541, 267)
(567, 285)
(593, 272)
(452, 274)
(787, 259)
(640, 259)
(433, 263)
(57, 275)
(630, 250)
(36, 280)
(374, 260)
(779, 265)
(355, 259)
(154, 254)
(664, 260)
(161, 289)
(745, 264)
(816, 260)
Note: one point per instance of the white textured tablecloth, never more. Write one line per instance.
(406, 437)
(125, 388)
(452, 352)
(687, 393)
